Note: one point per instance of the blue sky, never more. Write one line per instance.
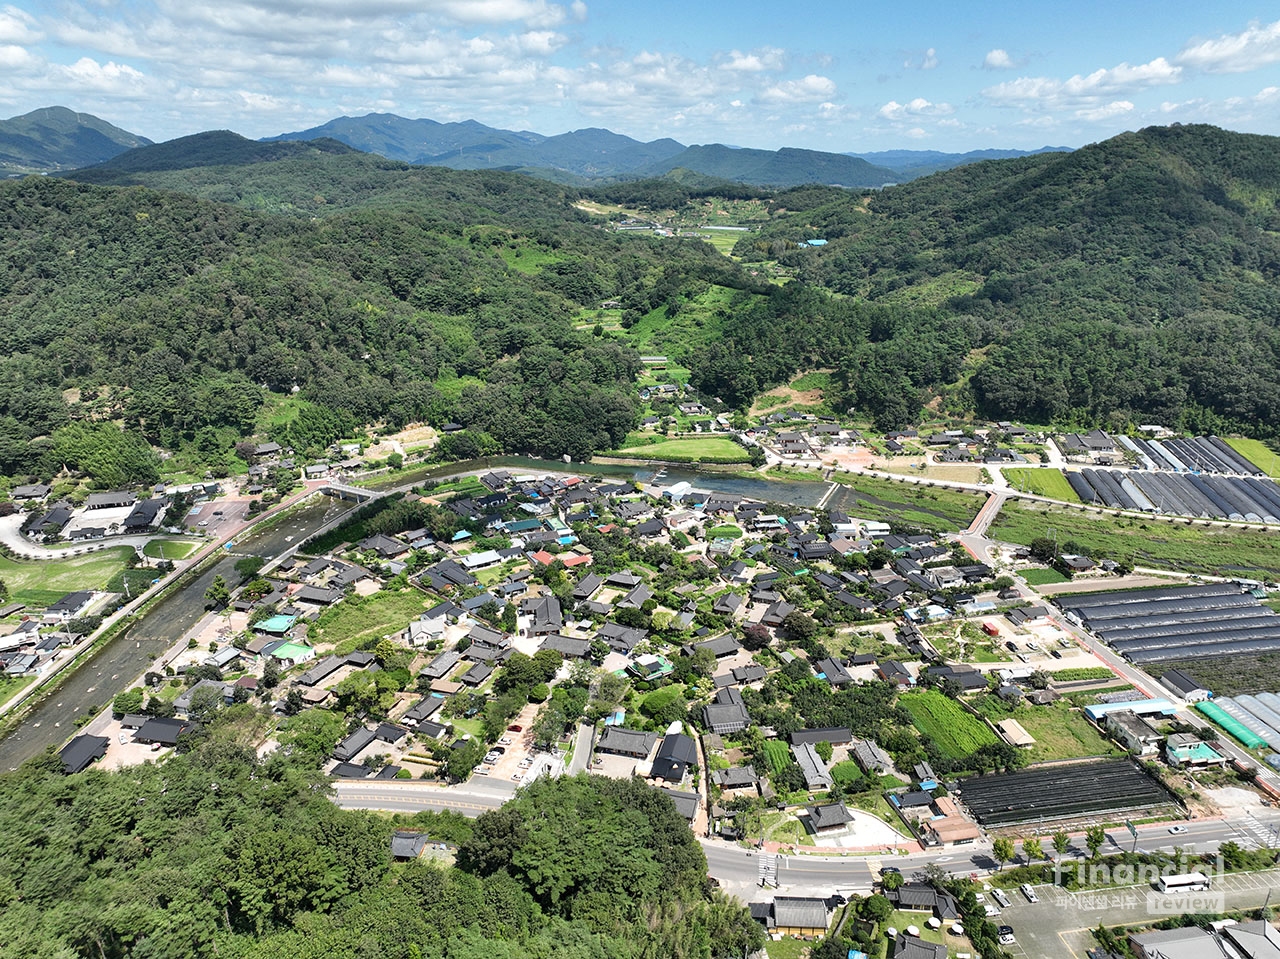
(845, 76)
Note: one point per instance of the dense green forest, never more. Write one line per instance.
(219, 853)
(1135, 280)
(178, 316)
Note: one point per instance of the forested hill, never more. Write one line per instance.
(182, 317)
(214, 148)
(55, 138)
(216, 853)
(1134, 279)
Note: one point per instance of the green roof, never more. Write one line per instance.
(276, 624)
(292, 651)
(1198, 751)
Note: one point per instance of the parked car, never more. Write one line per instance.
(999, 896)
(1055, 654)
(991, 911)
(1006, 935)
(515, 728)
(1029, 892)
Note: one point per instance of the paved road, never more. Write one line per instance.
(410, 796)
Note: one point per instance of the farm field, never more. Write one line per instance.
(957, 733)
(1181, 545)
(713, 449)
(42, 582)
(358, 619)
(1042, 482)
(778, 754)
(966, 643)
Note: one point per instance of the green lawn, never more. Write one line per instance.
(1042, 482)
(971, 646)
(726, 531)
(1060, 731)
(1258, 453)
(1042, 577)
(10, 686)
(359, 618)
(41, 582)
(1182, 545)
(712, 449)
(787, 948)
(171, 548)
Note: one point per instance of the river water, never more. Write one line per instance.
(93, 684)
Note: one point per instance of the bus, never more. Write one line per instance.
(1184, 882)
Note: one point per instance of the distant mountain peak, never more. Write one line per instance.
(58, 138)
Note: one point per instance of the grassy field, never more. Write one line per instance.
(10, 686)
(932, 507)
(712, 449)
(1190, 547)
(1258, 453)
(1042, 577)
(360, 618)
(1042, 482)
(1060, 732)
(171, 548)
(41, 582)
(787, 947)
(957, 733)
(725, 531)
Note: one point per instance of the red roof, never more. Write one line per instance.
(577, 561)
(543, 557)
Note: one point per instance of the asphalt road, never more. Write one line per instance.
(94, 683)
(411, 796)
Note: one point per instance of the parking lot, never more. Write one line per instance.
(1060, 924)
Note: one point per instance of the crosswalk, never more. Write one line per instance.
(767, 869)
(1254, 834)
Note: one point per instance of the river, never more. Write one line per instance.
(91, 685)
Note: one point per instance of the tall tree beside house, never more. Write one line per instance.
(219, 593)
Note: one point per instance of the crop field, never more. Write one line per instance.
(957, 733)
(778, 754)
(42, 582)
(357, 619)
(1042, 482)
(1181, 545)
(713, 449)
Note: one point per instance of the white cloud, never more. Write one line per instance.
(810, 89)
(998, 59)
(917, 133)
(110, 77)
(757, 61)
(1255, 47)
(919, 107)
(17, 26)
(1085, 90)
(1114, 109)
(927, 61)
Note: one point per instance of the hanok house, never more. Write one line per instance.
(726, 713)
(816, 774)
(737, 778)
(408, 845)
(163, 731)
(674, 757)
(796, 916)
(626, 742)
(829, 818)
(82, 752)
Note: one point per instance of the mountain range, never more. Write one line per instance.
(55, 138)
